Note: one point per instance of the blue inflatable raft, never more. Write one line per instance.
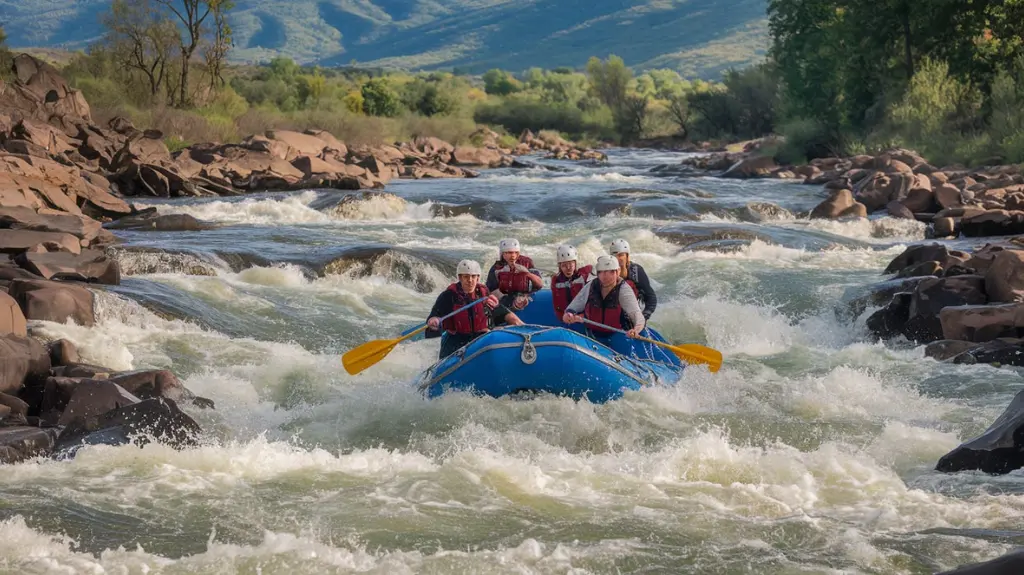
(547, 356)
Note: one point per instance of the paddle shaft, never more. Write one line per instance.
(608, 327)
(463, 308)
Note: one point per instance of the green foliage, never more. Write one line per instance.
(379, 99)
(500, 83)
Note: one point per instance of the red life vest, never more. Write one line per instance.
(563, 289)
(605, 310)
(510, 281)
(469, 321)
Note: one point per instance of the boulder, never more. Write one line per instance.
(62, 352)
(999, 450)
(1004, 279)
(46, 220)
(931, 296)
(981, 323)
(921, 253)
(18, 241)
(159, 223)
(12, 320)
(998, 352)
(945, 227)
(891, 320)
(147, 384)
(755, 167)
(298, 143)
(92, 399)
(899, 210)
(470, 156)
(159, 417)
(90, 266)
(839, 202)
(948, 348)
(24, 442)
(993, 223)
(54, 301)
(1010, 564)
(22, 359)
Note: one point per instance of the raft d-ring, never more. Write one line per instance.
(529, 352)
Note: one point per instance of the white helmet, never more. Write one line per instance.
(468, 267)
(566, 253)
(607, 264)
(508, 245)
(619, 246)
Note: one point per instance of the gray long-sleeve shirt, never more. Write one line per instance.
(627, 299)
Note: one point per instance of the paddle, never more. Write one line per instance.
(362, 357)
(690, 352)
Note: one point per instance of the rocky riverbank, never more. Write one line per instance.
(65, 182)
(952, 200)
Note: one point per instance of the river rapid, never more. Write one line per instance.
(811, 451)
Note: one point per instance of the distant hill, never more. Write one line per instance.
(696, 37)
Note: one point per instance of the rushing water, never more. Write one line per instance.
(811, 451)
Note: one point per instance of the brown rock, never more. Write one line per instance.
(836, 204)
(947, 196)
(18, 241)
(898, 210)
(932, 295)
(945, 227)
(91, 399)
(981, 323)
(12, 320)
(89, 266)
(152, 383)
(1004, 279)
(299, 143)
(938, 178)
(159, 417)
(857, 210)
(21, 218)
(932, 268)
(63, 352)
(487, 157)
(947, 349)
(23, 442)
(22, 360)
(54, 301)
(993, 223)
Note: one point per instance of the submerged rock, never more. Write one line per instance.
(1010, 564)
(999, 450)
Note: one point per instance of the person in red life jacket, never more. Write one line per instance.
(607, 300)
(636, 277)
(569, 280)
(513, 276)
(469, 324)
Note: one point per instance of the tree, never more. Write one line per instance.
(191, 15)
(609, 80)
(140, 39)
(500, 83)
(217, 51)
(379, 99)
(679, 111)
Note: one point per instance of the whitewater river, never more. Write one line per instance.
(811, 451)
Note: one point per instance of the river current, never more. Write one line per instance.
(811, 451)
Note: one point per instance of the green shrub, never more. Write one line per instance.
(379, 99)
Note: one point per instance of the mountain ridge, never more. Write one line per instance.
(699, 38)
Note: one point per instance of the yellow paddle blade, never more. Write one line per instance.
(362, 357)
(694, 353)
